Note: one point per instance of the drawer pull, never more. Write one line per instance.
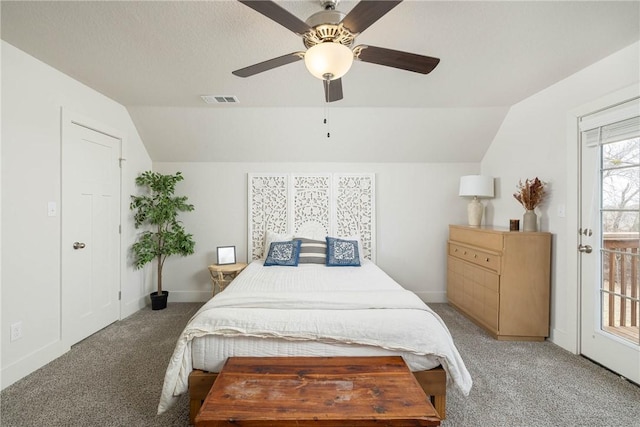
(465, 252)
(455, 250)
(486, 259)
(475, 255)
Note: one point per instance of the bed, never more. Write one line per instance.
(311, 309)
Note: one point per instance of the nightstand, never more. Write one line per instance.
(222, 275)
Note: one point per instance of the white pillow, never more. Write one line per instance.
(271, 237)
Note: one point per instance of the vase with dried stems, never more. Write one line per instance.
(530, 194)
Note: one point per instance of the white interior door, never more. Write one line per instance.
(610, 237)
(90, 231)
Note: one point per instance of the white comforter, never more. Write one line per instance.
(369, 309)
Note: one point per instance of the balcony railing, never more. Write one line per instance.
(621, 286)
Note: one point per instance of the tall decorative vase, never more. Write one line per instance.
(530, 221)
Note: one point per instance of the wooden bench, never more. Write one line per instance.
(318, 391)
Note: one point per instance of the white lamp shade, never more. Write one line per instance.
(476, 186)
(328, 60)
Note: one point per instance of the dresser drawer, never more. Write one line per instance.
(485, 239)
(476, 256)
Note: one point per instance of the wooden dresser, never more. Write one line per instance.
(501, 280)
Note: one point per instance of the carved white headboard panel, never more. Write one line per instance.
(311, 205)
(268, 209)
(355, 209)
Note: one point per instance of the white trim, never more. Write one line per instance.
(434, 297)
(569, 339)
(69, 117)
(622, 122)
(189, 296)
(127, 308)
(564, 340)
(612, 114)
(32, 362)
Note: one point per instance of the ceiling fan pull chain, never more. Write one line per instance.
(326, 119)
(326, 111)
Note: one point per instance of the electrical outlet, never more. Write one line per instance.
(16, 331)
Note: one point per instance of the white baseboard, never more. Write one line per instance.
(51, 351)
(130, 307)
(32, 362)
(189, 296)
(564, 340)
(434, 297)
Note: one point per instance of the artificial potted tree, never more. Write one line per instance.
(159, 208)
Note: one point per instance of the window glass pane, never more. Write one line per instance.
(621, 153)
(621, 176)
(621, 188)
(620, 222)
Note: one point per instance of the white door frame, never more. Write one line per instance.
(574, 295)
(68, 119)
(569, 338)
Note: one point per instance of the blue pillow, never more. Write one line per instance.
(283, 253)
(342, 253)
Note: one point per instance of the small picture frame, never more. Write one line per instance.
(226, 255)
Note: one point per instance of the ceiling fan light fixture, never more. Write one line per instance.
(328, 60)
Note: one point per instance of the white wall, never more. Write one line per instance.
(32, 96)
(538, 138)
(415, 204)
(415, 201)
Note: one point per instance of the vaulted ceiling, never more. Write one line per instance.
(158, 58)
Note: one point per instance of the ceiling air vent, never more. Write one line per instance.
(219, 99)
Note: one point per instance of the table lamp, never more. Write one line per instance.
(475, 186)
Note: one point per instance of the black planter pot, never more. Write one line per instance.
(159, 302)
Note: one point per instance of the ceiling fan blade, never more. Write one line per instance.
(332, 90)
(269, 64)
(396, 59)
(275, 12)
(366, 13)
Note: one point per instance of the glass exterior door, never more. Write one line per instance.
(609, 246)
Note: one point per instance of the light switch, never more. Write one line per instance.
(51, 209)
(561, 211)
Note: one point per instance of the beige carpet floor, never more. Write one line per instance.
(114, 378)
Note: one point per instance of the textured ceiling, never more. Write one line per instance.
(157, 58)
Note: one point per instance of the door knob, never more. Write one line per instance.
(78, 245)
(585, 248)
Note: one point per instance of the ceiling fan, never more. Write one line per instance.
(328, 36)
